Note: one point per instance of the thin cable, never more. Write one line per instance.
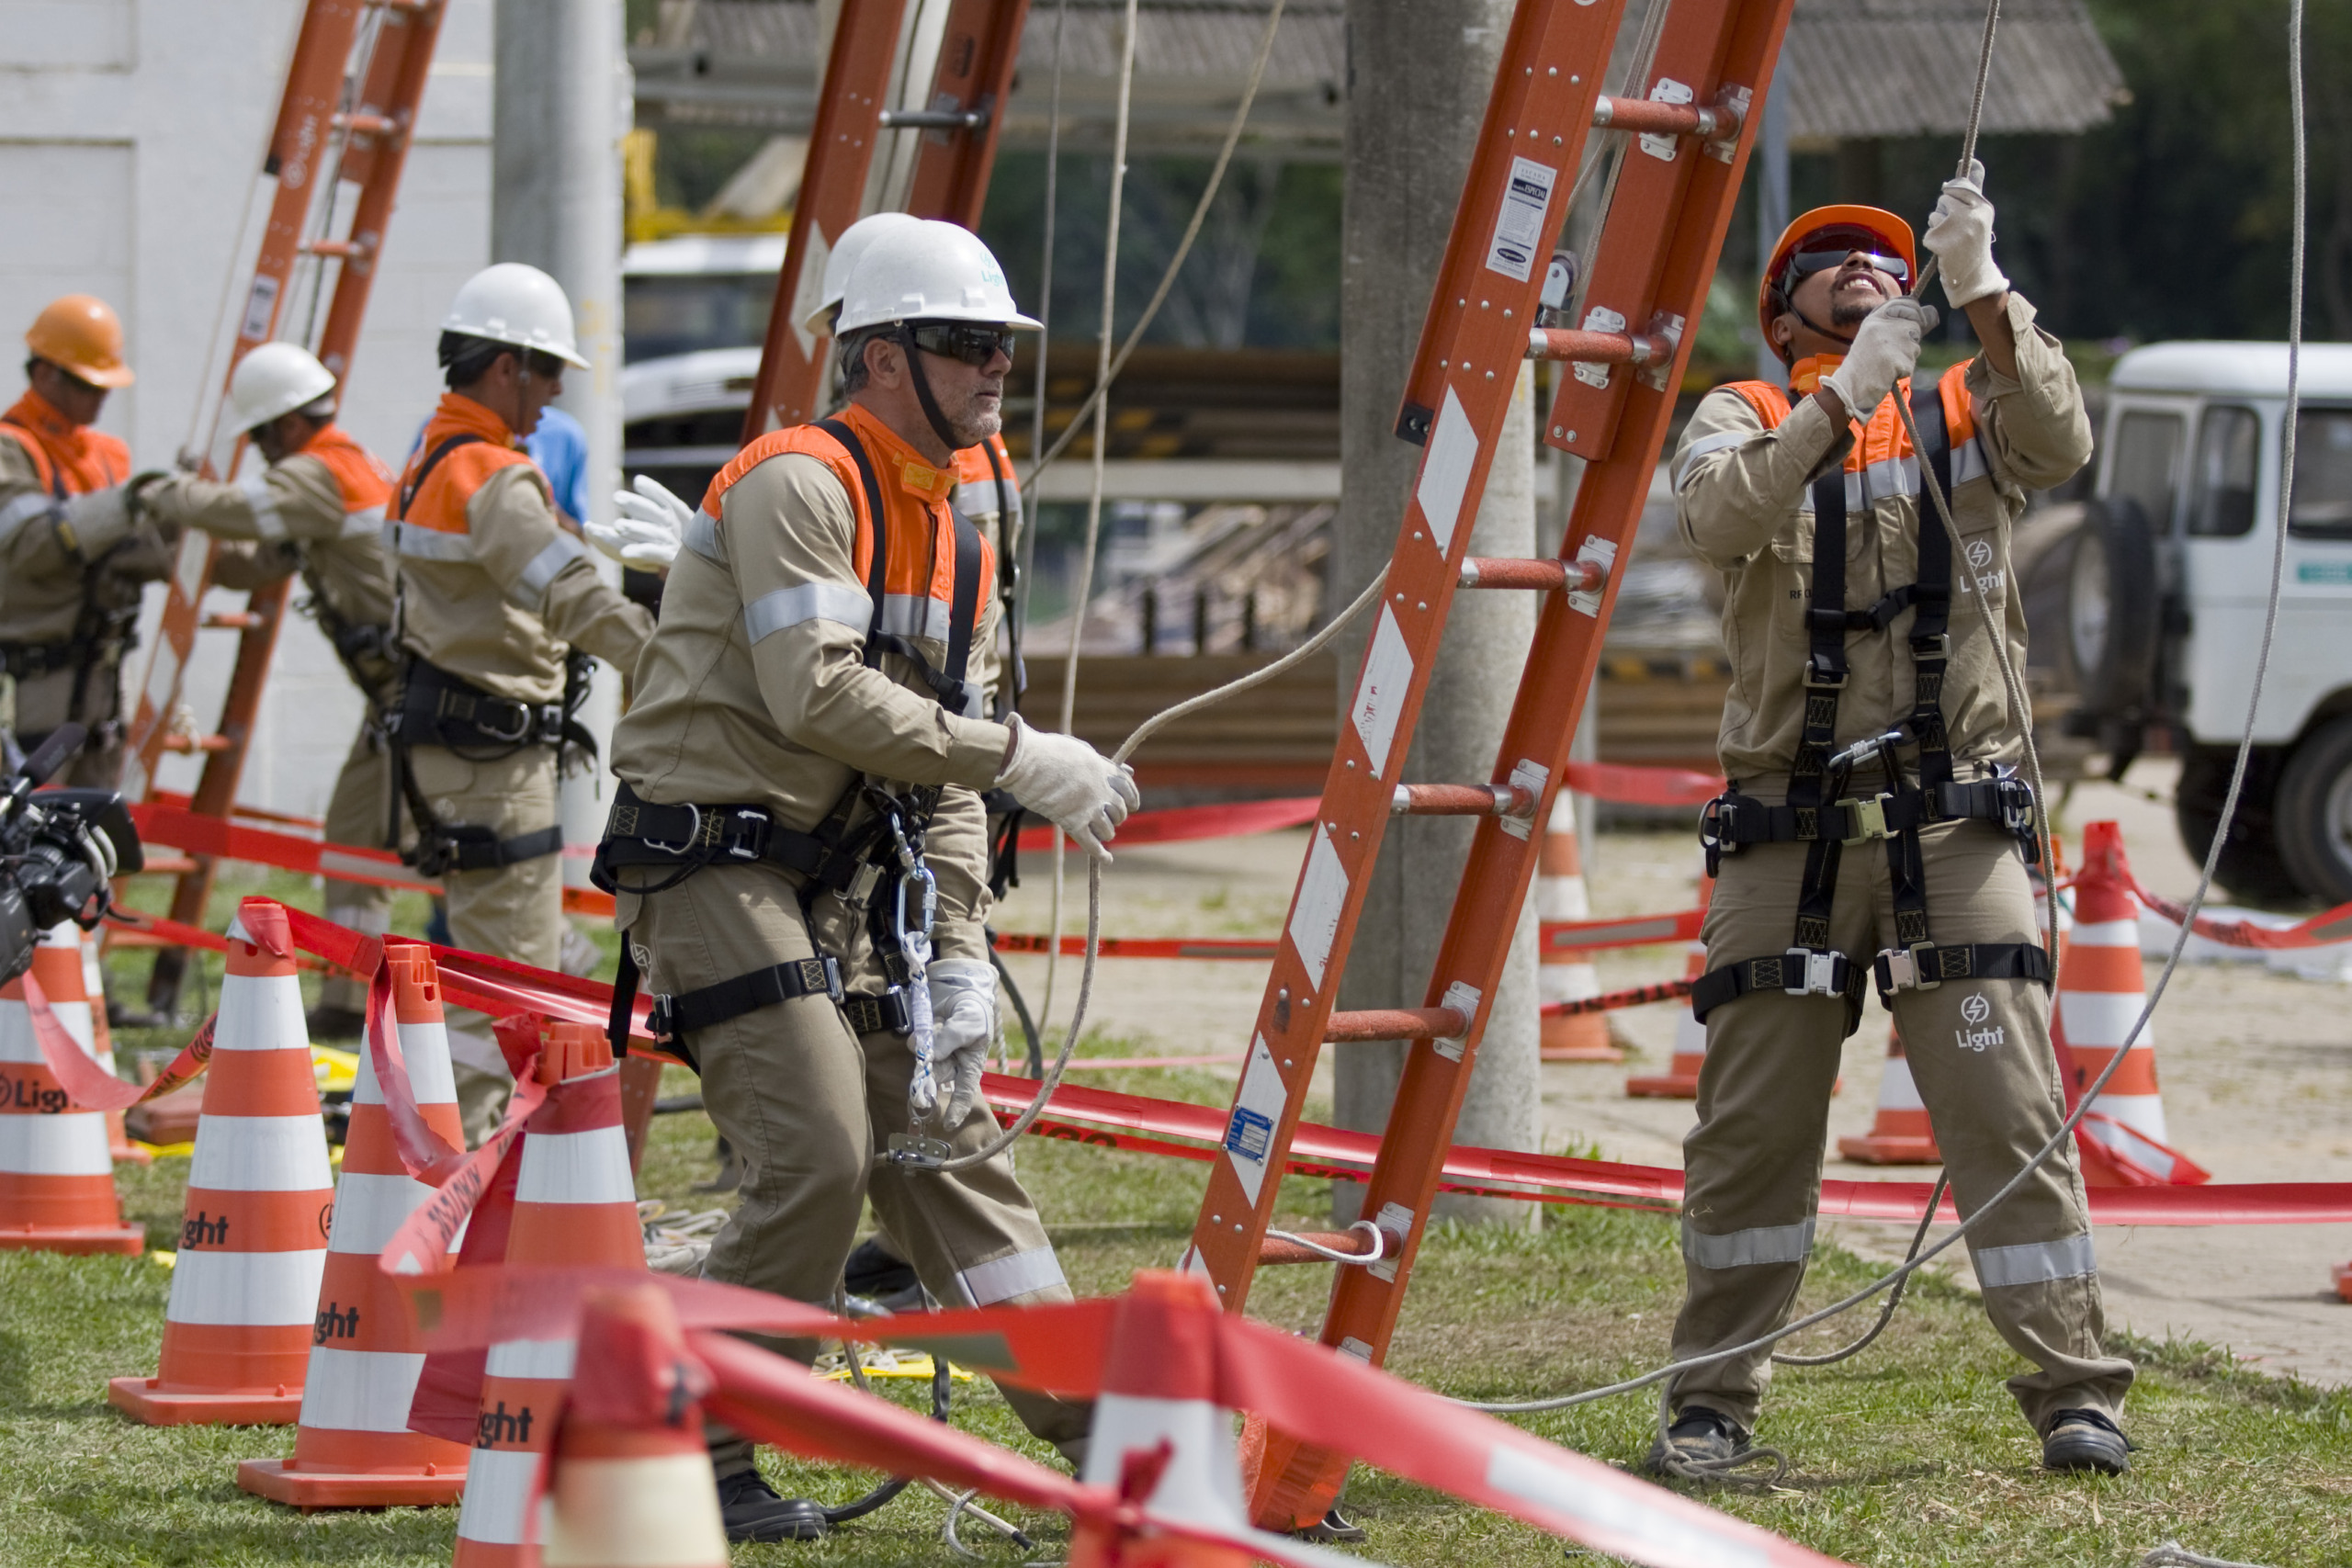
(2172, 1554)
(1331, 1253)
(1037, 449)
(1893, 1297)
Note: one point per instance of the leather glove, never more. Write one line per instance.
(962, 1007)
(97, 521)
(1960, 236)
(1883, 353)
(650, 531)
(1070, 785)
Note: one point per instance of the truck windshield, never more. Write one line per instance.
(669, 314)
(2322, 501)
(2222, 505)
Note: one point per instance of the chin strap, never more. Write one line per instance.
(905, 337)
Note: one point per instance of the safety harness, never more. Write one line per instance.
(1819, 813)
(101, 636)
(437, 708)
(848, 854)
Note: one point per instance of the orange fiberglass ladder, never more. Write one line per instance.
(352, 91)
(960, 121)
(1651, 267)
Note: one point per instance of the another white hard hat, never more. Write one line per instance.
(934, 272)
(853, 244)
(276, 378)
(514, 304)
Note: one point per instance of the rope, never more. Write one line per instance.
(1378, 1237)
(2172, 1554)
(1919, 1260)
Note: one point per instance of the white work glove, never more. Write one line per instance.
(1960, 236)
(98, 520)
(963, 1008)
(1070, 785)
(1883, 353)
(650, 531)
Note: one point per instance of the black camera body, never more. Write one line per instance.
(59, 850)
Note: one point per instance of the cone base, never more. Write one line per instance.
(128, 1241)
(1666, 1088)
(1603, 1052)
(313, 1487)
(145, 1400)
(1890, 1148)
(2343, 1272)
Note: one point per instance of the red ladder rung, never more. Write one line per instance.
(231, 620)
(1395, 1023)
(1543, 576)
(1709, 122)
(1462, 800)
(1276, 1249)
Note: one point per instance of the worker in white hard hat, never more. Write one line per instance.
(498, 613)
(317, 508)
(74, 550)
(796, 846)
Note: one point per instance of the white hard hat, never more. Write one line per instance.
(514, 304)
(934, 272)
(276, 378)
(854, 241)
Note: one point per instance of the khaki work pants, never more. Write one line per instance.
(511, 911)
(1980, 1053)
(46, 701)
(807, 1104)
(357, 814)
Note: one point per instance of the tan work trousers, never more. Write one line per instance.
(807, 1104)
(357, 814)
(510, 911)
(46, 701)
(1979, 1051)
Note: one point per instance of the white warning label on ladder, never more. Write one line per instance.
(1519, 227)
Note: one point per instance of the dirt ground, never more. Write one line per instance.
(2252, 1061)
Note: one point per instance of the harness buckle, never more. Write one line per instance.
(1936, 646)
(832, 978)
(524, 718)
(1866, 815)
(1820, 974)
(862, 883)
(1820, 676)
(1719, 829)
(746, 838)
(662, 1017)
(2015, 797)
(1907, 969)
(694, 835)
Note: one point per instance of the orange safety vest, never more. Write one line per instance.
(1884, 441)
(71, 459)
(462, 446)
(366, 484)
(927, 571)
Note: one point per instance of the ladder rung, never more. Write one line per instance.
(1710, 121)
(1274, 1250)
(157, 866)
(1545, 575)
(1396, 1023)
(933, 120)
(196, 743)
(1461, 800)
(366, 124)
(1598, 348)
(232, 620)
(346, 248)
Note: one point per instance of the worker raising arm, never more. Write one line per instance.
(1874, 825)
(317, 508)
(800, 770)
(497, 607)
(74, 549)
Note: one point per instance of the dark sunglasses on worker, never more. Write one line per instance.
(968, 341)
(1832, 256)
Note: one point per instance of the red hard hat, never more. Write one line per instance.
(1862, 224)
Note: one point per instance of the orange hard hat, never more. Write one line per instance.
(81, 336)
(1868, 228)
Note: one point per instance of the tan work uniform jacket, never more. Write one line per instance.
(754, 691)
(1742, 489)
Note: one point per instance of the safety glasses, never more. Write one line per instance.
(968, 341)
(1829, 251)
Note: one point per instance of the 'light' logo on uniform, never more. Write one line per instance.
(1975, 1011)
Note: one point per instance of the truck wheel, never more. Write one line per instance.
(2112, 609)
(2251, 867)
(2314, 813)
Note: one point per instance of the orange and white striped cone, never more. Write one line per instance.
(352, 1449)
(574, 1204)
(1680, 1080)
(1900, 1133)
(94, 991)
(1567, 975)
(260, 1201)
(56, 1188)
(2100, 995)
(630, 1485)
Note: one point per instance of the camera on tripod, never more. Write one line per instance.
(59, 851)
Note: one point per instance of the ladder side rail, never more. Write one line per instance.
(978, 54)
(1295, 1484)
(833, 191)
(1474, 338)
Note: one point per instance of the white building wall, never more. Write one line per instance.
(130, 141)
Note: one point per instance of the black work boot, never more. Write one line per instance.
(2086, 1440)
(1699, 1437)
(751, 1510)
(880, 1275)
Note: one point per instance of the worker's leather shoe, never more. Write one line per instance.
(326, 1022)
(2085, 1440)
(751, 1510)
(1699, 1437)
(882, 1276)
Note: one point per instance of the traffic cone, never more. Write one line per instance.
(574, 1204)
(630, 1483)
(353, 1448)
(56, 1179)
(260, 1200)
(94, 992)
(2100, 996)
(1900, 1133)
(1682, 1079)
(1567, 974)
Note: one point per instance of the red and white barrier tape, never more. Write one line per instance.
(2320, 931)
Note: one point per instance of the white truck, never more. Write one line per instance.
(694, 312)
(2165, 587)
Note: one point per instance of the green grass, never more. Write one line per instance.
(1912, 1452)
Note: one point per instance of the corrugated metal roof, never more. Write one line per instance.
(1854, 68)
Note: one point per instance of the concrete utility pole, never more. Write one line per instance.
(1418, 80)
(558, 115)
